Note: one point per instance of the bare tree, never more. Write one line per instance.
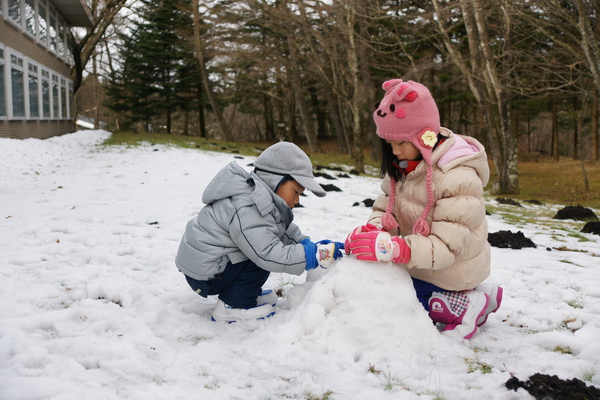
(336, 46)
(573, 28)
(200, 55)
(103, 12)
(487, 69)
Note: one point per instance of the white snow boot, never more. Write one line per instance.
(225, 313)
(267, 296)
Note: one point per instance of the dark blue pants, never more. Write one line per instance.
(424, 291)
(238, 285)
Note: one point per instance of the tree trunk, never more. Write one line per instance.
(595, 131)
(309, 127)
(334, 115)
(96, 92)
(358, 94)
(225, 131)
(268, 118)
(576, 140)
(186, 123)
(489, 86)
(201, 120)
(555, 130)
(317, 110)
(83, 49)
(528, 133)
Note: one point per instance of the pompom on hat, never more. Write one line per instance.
(408, 113)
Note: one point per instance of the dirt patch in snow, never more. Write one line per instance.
(509, 240)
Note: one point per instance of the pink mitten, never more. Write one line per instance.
(377, 245)
(356, 231)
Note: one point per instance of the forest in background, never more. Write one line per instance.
(520, 76)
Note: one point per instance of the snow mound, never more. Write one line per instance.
(360, 306)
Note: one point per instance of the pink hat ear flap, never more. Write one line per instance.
(388, 222)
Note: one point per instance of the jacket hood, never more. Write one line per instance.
(229, 181)
(234, 181)
(463, 150)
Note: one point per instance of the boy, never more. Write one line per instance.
(245, 232)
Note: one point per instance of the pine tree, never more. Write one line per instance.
(150, 84)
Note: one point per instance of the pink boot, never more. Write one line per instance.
(458, 311)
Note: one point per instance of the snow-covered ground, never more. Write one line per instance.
(92, 306)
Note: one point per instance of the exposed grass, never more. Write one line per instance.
(560, 182)
(477, 365)
(326, 396)
(589, 374)
(563, 349)
(330, 155)
(540, 178)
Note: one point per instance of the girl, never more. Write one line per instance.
(433, 198)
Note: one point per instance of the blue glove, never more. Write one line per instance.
(336, 248)
(322, 253)
(310, 250)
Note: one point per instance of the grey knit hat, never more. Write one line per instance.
(286, 158)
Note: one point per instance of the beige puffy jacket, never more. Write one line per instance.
(456, 254)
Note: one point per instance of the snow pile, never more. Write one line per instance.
(92, 306)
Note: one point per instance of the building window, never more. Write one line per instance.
(30, 16)
(28, 90)
(63, 98)
(43, 24)
(46, 94)
(14, 11)
(62, 49)
(34, 91)
(17, 85)
(2, 88)
(55, 98)
(52, 31)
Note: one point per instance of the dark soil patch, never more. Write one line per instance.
(546, 387)
(535, 202)
(577, 213)
(592, 227)
(510, 202)
(320, 167)
(367, 202)
(343, 175)
(324, 175)
(331, 188)
(509, 240)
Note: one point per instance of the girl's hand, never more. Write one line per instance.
(377, 245)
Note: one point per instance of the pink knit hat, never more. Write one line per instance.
(408, 113)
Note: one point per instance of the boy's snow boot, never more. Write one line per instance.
(495, 294)
(458, 311)
(225, 313)
(267, 296)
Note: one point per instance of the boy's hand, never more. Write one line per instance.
(377, 245)
(322, 253)
(327, 251)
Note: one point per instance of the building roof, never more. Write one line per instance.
(75, 12)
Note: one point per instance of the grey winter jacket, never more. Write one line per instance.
(242, 219)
